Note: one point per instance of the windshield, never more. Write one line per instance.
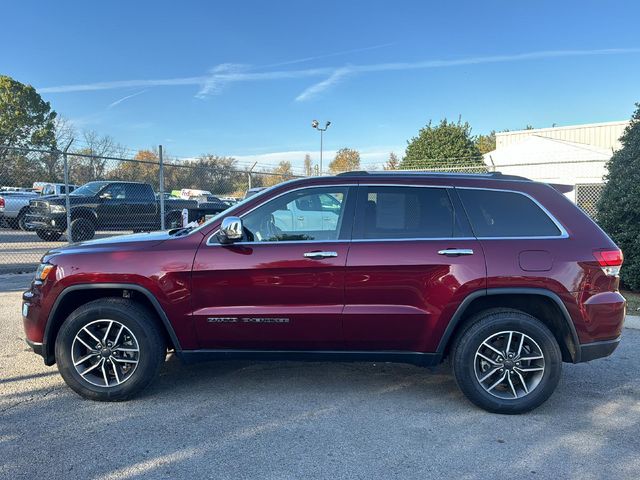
(89, 189)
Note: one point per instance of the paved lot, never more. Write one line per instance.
(21, 251)
(236, 420)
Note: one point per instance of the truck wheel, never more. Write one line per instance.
(109, 349)
(82, 229)
(49, 235)
(507, 361)
(21, 221)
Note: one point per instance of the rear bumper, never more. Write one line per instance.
(603, 348)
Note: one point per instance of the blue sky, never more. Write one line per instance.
(246, 78)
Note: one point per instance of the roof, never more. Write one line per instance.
(536, 149)
(417, 173)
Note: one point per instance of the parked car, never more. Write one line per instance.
(14, 206)
(504, 276)
(108, 205)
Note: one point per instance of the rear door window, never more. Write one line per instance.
(499, 214)
(389, 212)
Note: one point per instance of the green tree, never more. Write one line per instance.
(393, 163)
(346, 160)
(447, 145)
(486, 143)
(619, 205)
(25, 119)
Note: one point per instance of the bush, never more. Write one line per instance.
(619, 205)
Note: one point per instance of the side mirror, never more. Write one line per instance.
(230, 230)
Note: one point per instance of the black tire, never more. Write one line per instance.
(82, 229)
(21, 221)
(139, 321)
(483, 326)
(49, 235)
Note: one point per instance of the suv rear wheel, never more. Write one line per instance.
(109, 349)
(506, 361)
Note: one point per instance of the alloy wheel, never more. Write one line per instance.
(105, 353)
(509, 365)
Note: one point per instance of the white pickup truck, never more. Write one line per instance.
(14, 207)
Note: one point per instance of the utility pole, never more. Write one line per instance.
(161, 183)
(67, 202)
(315, 124)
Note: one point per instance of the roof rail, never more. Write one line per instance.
(492, 175)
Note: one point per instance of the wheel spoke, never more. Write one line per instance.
(537, 357)
(529, 369)
(524, 384)
(89, 347)
(492, 362)
(125, 360)
(85, 358)
(492, 348)
(489, 374)
(91, 334)
(498, 382)
(115, 371)
(520, 346)
(115, 342)
(93, 367)
(104, 374)
(506, 351)
(513, 389)
(106, 333)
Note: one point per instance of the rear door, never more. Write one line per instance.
(412, 260)
(282, 287)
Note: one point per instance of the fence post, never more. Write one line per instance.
(161, 173)
(67, 202)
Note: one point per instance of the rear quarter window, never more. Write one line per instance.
(495, 213)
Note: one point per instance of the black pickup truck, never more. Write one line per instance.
(112, 206)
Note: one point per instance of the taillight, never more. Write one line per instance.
(1, 202)
(610, 261)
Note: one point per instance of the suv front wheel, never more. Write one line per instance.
(109, 349)
(506, 361)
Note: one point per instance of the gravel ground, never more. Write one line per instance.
(237, 420)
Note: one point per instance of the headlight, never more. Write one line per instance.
(43, 270)
(57, 209)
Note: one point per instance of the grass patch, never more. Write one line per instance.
(633, 302)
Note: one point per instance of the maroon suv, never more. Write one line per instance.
(504, 276)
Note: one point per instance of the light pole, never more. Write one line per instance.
(315, 124)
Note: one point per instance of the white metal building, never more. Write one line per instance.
(574, 155)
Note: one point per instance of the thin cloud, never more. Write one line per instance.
(224, 75)
(120, 100)
(328, 55)
(314, 90)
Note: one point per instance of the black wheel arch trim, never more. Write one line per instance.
(47, 347)
(460, 311)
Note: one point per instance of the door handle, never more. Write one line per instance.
(320, 255)
(455, 252)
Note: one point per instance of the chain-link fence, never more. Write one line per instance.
(49, 198)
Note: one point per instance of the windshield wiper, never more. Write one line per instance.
(177, 232)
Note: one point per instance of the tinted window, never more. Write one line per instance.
(300, 215)
(506, 214)
(405, 212)
(138, 191)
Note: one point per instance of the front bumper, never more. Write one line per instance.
(36, 347)
(54, 221)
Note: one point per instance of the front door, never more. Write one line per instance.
(282, 286)
(412, 261)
